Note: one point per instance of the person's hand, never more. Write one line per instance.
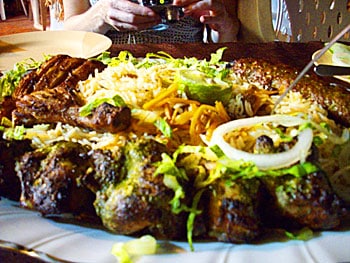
(124, 15)
(213, 13)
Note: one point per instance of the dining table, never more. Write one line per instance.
(293, 54)
(296, 55)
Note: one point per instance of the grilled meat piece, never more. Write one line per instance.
(263, 144)
(139, 203)
(108, 168)
(28, 82)
(59, 69)
(43, 106)
(50, 95)
(233, 211)
(7, 105)
(335, 99)
(10, 151)
(307, 201)
(59, 105)
(50, 179)
(59, 72)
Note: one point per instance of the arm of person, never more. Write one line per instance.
(122, 15)
(80, 15)
(228, 30)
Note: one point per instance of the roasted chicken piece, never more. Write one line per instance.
(50, 179)
(138, 201)
(58, 105)
(307, 201)
(272, 77)
(108, 168)
(233, 211)
(58, 70)
(10, 151)
(50, 95)
(121, 188)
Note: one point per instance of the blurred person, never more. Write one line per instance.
(125, 21)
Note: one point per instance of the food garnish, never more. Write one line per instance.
(340, 54)
(125, 252)
(264, 161)
(11, 78)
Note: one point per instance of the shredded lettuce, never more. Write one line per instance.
(164, 127)
(87, 109)
(5, 122)
(297, 170)
(192, 216)
(172, 175)
(304, 234)
(283, 136)
(340, 54)
(11, 78)
(123, 56)
(15, 133)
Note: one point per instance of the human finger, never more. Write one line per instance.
(132, 7)
(130, 16)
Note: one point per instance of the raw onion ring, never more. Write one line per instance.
(265, 161)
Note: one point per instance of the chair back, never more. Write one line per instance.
(293, 20)
(318, 20)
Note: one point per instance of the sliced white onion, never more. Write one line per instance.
(265, 161)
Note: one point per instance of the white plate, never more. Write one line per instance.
(326, 58)
(82, 244)
(18, 47)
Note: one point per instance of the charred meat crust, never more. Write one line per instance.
(307, 201)
(59, 70)
(335, 99)
(58, 105)
(50, 95)
(140, 202)
(122, 189)
(28, 83)
(233, 211)
(10, 152)
(49, 179)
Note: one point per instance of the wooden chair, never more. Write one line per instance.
(3, 13)
(43, 14)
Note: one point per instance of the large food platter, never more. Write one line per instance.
(85, 244)
(73, 242)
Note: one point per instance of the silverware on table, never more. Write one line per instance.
(331, 70)
(310, 64)
(29, 253)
